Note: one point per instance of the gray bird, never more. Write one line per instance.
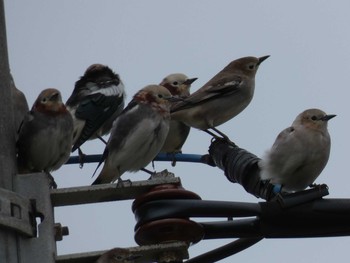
(96, 101)
(223, 97)
(299, 153)
(45, 136)
(179, 85)
(137, 134)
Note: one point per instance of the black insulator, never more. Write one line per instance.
(241, 166)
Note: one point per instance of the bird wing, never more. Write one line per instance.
(95, 109)
(289, 150)
(122, 131)
(215, 88)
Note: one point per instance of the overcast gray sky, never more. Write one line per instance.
(51, 43)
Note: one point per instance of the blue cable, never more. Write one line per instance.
(179, 157)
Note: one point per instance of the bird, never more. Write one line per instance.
(96, 101)
(45, 136)
(137, 134)
(299, 153)
(118, 255)
(223, 97)
(179, 85)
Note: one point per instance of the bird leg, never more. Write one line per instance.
(173, 161)
(52, 182)
(147, 171)
(81, 158)
(223, 135)
(212, 134)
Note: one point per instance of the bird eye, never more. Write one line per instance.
(44, 100)
(251, 66)
(175, 83)
(160, 96)
(314, 118)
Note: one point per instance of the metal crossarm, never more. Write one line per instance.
(106, 192)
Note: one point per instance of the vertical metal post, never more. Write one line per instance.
(15, 247)
(8, 240)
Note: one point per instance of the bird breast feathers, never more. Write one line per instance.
(143, 142)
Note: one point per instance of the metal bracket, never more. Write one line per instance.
(17, 213)
(42, 248)
(167, 252)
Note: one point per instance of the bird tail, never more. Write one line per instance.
(102, 178)
(103, 158)
(97, 181)
(107, 175)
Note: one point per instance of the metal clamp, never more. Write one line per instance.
(16, 213)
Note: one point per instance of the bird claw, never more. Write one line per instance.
(223, 139)
(314, 185)
(81, 158)
(52, 183)
(221, 136)
(121, 182)
(173, 155)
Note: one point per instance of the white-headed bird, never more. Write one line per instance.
(179, 86)
(299, 153)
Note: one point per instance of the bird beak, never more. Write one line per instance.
(328, 117)
(261, 59)
(190, 81)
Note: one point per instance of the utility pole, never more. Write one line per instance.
(21, 204)
(8, 239)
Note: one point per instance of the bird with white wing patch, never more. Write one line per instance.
(96, 101)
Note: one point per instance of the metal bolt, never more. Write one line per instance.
(60, 231)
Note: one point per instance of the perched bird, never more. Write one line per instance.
(117, 255)
(137, 134)
(179, 85)
(97, 99)
(45, 136)
(223, 97)
(299, 153)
